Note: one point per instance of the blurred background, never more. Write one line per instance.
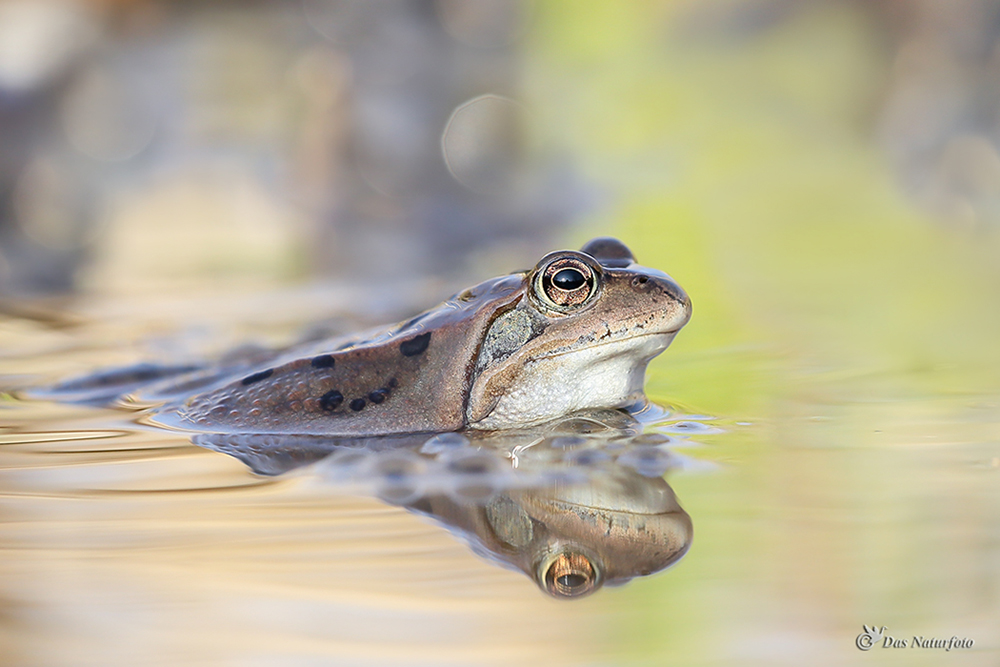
(822, 177)
(278, 139)
(149, 140)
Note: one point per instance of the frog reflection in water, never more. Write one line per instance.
(585, 506)
(576, 332)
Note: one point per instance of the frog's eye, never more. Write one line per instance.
(565, 283)
(569, 575)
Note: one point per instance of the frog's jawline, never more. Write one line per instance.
(669, 335)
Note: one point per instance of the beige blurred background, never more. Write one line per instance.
(277, 139)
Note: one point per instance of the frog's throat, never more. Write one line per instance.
(609, 375)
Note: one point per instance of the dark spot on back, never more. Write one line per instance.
(378, 396)
(416, 345)
(358, 404)
(393, 383)
(323, 361)
(257, 377)
(331, 400)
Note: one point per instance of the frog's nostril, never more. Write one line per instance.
(640, 282)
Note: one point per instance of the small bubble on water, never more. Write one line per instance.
(345, 465)
(397, 492)
(647, 460)
(443, 442)
(348, 458)
(398, 465)
(566, 441)
(476, 476)
(587, 457)
(398, 476)
(476, 463)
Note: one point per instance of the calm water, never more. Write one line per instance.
(853, 498)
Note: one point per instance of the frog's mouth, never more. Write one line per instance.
(600, 369)
(628, 342)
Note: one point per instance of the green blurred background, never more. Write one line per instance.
(846, 305)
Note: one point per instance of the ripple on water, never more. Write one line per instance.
(31, 437)
(688, 427)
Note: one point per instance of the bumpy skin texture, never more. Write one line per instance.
(414, 378)
(498, 355)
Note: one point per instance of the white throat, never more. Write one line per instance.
(608, 375)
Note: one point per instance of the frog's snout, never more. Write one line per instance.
(678, 303)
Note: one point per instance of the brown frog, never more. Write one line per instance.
(575, 332)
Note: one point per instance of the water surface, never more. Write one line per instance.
(855, 498)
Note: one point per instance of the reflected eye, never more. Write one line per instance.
(571, 581)
(570, 575)
(565, 283)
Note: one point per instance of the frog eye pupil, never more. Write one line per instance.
(572, 580)
(568, 279)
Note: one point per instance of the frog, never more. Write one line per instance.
(573, 333)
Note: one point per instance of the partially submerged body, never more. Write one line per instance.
(574, 333)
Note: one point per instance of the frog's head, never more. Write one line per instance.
(580, 337)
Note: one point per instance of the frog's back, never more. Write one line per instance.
(412, 377)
